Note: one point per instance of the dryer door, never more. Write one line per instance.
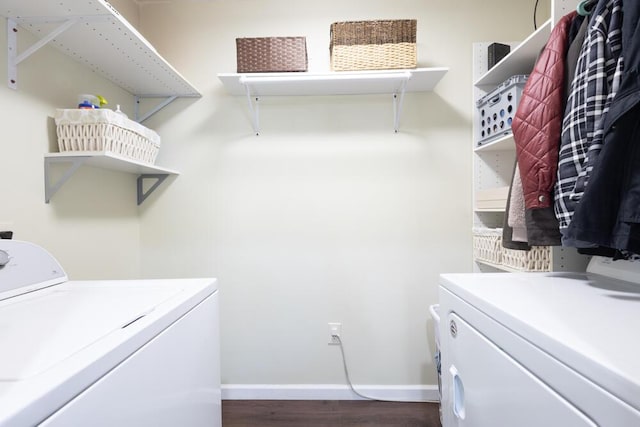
(489, 388)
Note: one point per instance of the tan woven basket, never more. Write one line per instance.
(373, 45)
(487, 245)
(271, 54)
(105, 131)
(536, 259)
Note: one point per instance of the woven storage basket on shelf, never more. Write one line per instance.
(271, 54)
(373, 45)
(487, 245)
(103, 130)
(536, 259)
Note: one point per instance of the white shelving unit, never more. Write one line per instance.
(520, 60)
(505, 143)
(394, 82)
(103, 160)
(96, 35)
(493, 162)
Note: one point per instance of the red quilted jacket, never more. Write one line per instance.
(538, 120)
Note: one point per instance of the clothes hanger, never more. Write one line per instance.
(584, 7)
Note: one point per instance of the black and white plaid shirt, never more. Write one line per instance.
(595, 84)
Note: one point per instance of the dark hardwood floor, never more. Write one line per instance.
(327, 413)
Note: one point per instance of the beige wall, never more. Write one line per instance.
(327, 216)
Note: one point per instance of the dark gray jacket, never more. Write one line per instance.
(609, 212)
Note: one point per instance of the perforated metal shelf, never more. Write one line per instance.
(93, 33)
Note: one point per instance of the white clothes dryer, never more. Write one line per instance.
(542, 349)
(104, 353)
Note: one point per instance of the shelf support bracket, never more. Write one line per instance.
(254, 109)
(168, 100)
(52, 188)
(142, 194)
(13, 59)
(398, 99)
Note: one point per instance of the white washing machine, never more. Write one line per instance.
(542, 349)
(104, 353)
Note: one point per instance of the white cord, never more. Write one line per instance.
(346, 374)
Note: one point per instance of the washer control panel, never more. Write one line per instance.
(25, 267)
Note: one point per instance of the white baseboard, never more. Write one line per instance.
(408, 393)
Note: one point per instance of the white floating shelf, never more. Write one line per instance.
(490, 210)
(499, 266)
(392, 82)
(96, 35)
(504, 143)
(103, 160)
(334, 83)
(520, 60)
(113, 161)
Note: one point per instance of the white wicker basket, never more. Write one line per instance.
(103, 130)
(536, 259)
(487, 247)
(487, 244)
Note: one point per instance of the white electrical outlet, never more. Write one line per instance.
(335, 330)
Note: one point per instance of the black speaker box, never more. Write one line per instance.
(495, 52)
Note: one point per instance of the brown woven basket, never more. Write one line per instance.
(271, 54)
(373, 45)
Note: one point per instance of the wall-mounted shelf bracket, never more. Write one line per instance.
(398, 98)
(107, 161)
(168, 99)
(52, 188)
(254, 109)
(13, 58)
(142, 194)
